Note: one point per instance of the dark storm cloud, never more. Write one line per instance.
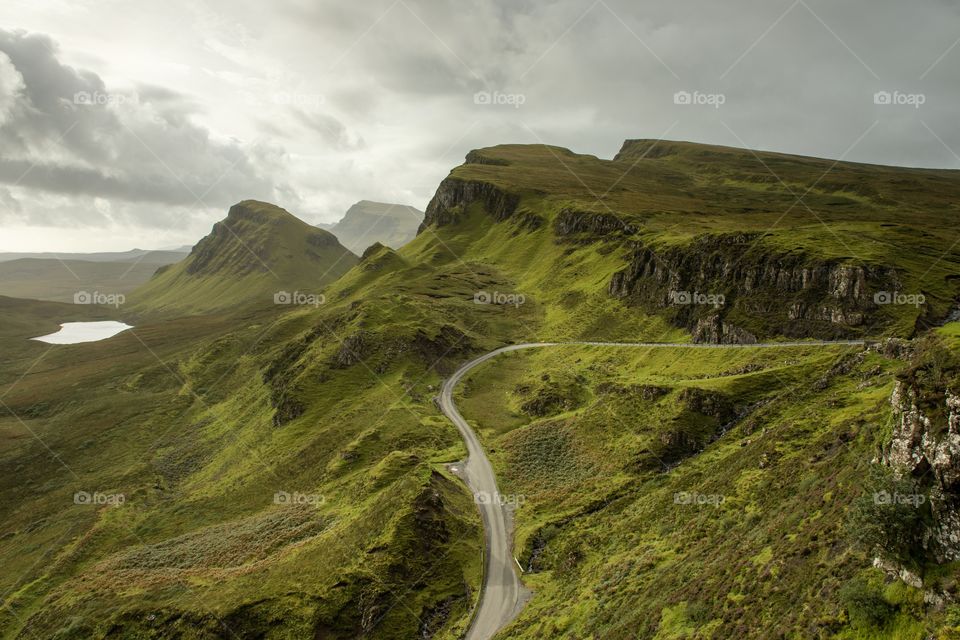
(64, 132)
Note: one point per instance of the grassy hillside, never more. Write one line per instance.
(686, 494)
(258, 251)
(282, 467)
(796, 246)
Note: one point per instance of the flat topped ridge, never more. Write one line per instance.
(260, 212)
(366, 208)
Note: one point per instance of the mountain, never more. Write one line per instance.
(139, 256)
(286, 472)
(62, 280)
(367, 222)
(729, 244)
(258, 252)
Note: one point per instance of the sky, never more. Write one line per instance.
(127, 123)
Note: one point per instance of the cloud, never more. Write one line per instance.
(63, 131)
(319, 103)
(331, 130)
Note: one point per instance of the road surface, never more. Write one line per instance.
(502, 593)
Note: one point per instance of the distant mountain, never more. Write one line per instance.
(62, 280)
(368, 222)
(258, 251)
(142, 256)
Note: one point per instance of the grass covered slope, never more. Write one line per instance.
(693, 494)
(258, 251)
(796, 246)
(200, 423)
(283, 467)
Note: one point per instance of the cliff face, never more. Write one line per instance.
(695, 221)
(775, 293)
(926, 445)
(454, 195)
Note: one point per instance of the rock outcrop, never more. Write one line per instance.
(570, 221)
(781, 293)
(926, 445)
(454, 196)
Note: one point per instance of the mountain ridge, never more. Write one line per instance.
(258, 250)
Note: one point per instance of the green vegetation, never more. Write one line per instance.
(283, 467)
(726, 537)
(258, 251)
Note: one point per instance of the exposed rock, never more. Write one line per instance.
(449, 344)
(708, 403)
(926, 444)
(786, 293)
(901, 573)
(454, 196)
(571, 221)
(714, 330)
(645, 391)
(352, 350)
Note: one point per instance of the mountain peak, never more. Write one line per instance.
(368, 221)
(259, 245)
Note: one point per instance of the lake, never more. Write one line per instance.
(77, 332)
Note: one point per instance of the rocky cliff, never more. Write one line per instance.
(455, 195)
(926, 445)
(731, 288)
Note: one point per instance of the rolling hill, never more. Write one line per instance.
(61, 280)
(284, 469)
(139, 256)
(259, 251)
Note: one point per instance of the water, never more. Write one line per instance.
(77, 332)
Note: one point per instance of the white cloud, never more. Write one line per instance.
(377, 97)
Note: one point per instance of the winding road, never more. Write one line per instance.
(502, 593)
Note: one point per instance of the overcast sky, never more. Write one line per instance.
(131, 123)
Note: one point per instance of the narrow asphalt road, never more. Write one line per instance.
(502, 593)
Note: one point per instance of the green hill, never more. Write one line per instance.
(257, 252)
(201, 421)
(794, 246)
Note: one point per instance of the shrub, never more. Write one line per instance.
(865, 604)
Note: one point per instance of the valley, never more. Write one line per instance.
(291, 439)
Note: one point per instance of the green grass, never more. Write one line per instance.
(218, 399)
(623, 559)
